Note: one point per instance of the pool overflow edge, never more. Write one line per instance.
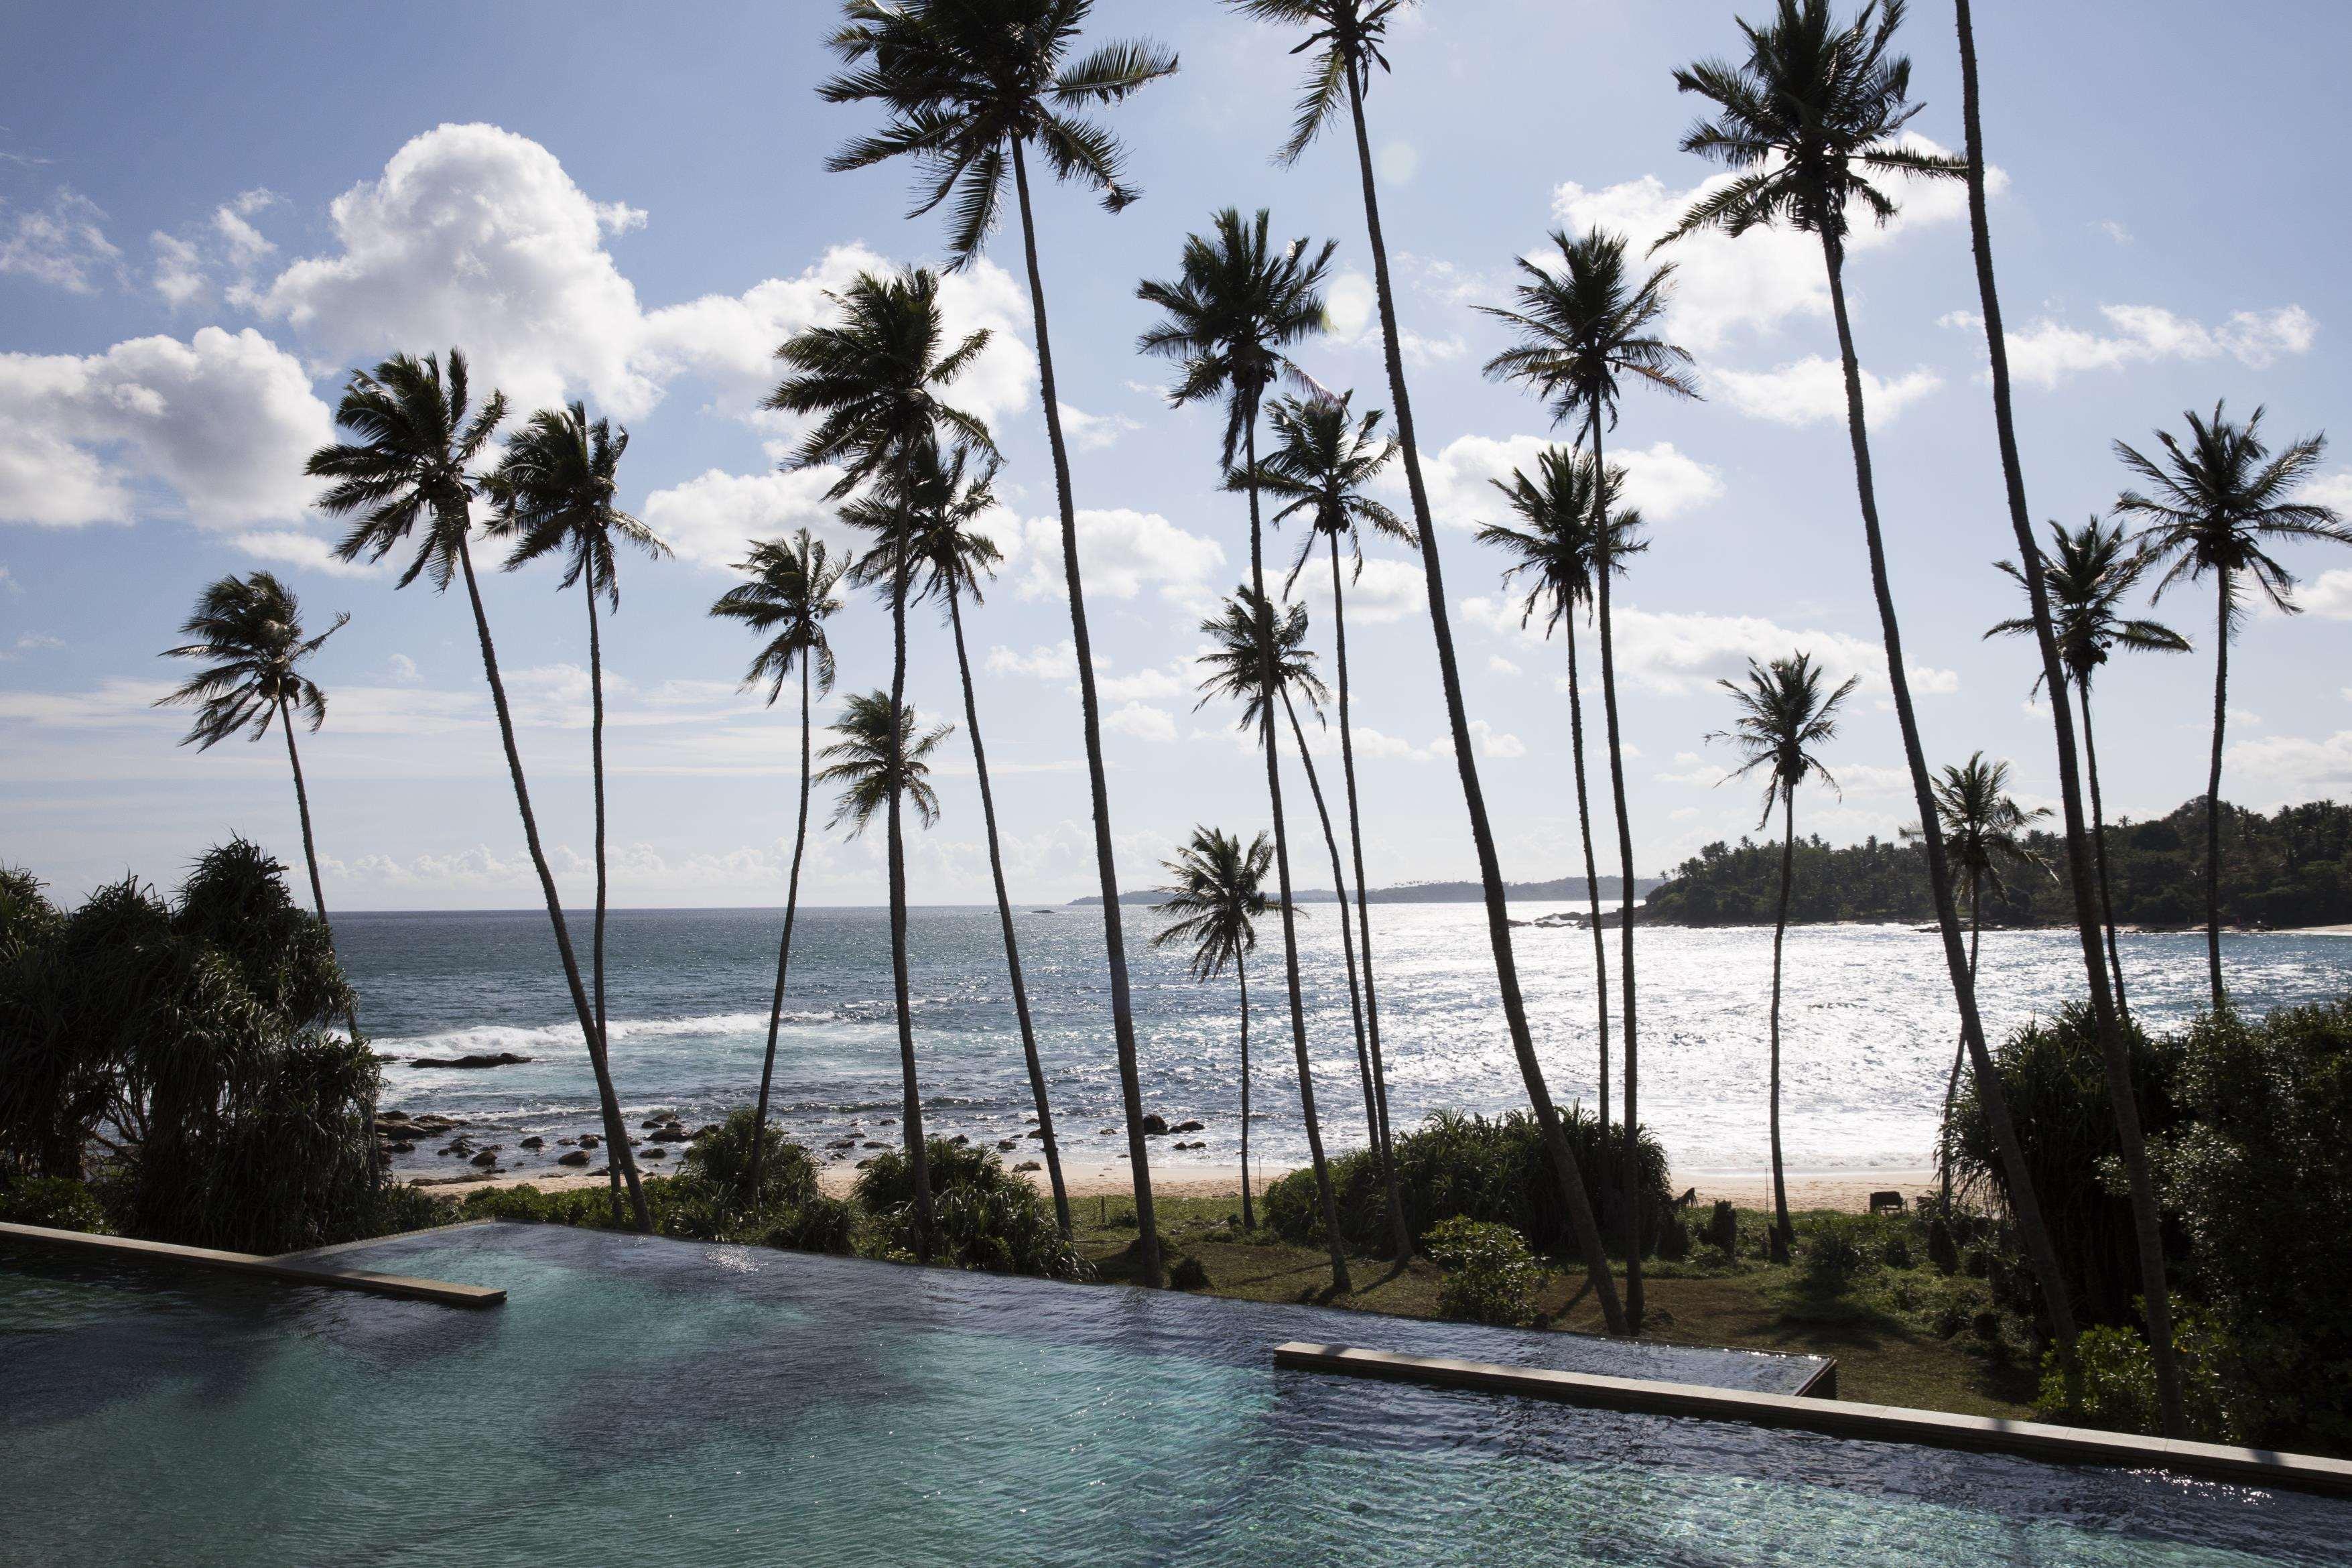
(1837, 1418)
(290, 1268)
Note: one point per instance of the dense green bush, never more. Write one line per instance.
(1488, 1274)
(722, 1158)
(988, 1217)
(58, 1202)
(2116, 1388)
(1834, 1250)
(1458, 1166)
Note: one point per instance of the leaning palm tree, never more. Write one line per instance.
(1232, 666)
(2219, 505)
(1346, 39)
(249, 630)
(2086, 575)
(1219, 893)
(414, 462)
(1231, 315)
(875, 383)
(1321, 463)
(788, 599)
(1583, 331)
(1807, 121)
(953, 557)
(1985, 831)
(970, 85)
(552, 494)
(1785, 716)
(1560, 553)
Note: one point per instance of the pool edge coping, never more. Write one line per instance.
(1837, 1418)
(288, 1269)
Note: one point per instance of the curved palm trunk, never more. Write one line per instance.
(1265, 690)
(319, 898)
(2023, 1201)
(1123, 1012)
(2099, 843)
(919, 1163)
(1004, 914)
(1383, 1140)
(1241, 974)
(1346, 936)
(2113, 1049)
(1482, 836)
(1591, 867)
(1783, 1233)
(784, 955)
(1631, 1128)
(616, 1134)
(597, 771)
(1960, 1050)
(2213, 798)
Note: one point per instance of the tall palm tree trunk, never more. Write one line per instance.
(2099, 843)
(1339, 1279)
(616, 1134)
(2213, 797)
(319, 899)
(1240, 975)
(2113, 1049)
(1783, 1233)
(1591, 867)
(1960, 1050)
(1004, 914)
(597, 771)
(1578, 1202)
(783, 954)
(919, 1163)
(1630, 1130)
(1383, 1140)
(2024, 1203)
(1355, 997)
(1123, 1012)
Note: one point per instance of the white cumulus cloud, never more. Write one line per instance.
(2048, 352)
(1811, 391)
(1122, 552)
(63, 244)
(1659, 480)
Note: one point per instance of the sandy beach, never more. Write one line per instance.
(1847, 1191)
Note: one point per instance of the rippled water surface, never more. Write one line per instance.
(1869, 1023)
(649, 1401)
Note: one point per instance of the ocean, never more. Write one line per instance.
(1869, 1028)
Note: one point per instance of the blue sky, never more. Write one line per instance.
(205, 221)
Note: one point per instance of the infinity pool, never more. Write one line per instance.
(660, 1401)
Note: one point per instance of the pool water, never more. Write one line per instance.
(649, 1401)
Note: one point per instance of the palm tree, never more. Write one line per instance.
(1320, 465)
(875, 382)
(552, 494)
(790, 595)
(1560, 553)
(1232, 663)
(969, 86)
(2087, 573)
(250, 629)
(1219, 894)
(1985, 831)
(414, 462)
(2220, 504)
(1807, 121)
(2108, 1012)
(1785, 716)
(1347, 39)
(1233, 309)
(953, 557)
(1582, 331)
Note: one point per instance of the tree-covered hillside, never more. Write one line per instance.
(2293, 868)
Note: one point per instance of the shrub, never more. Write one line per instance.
(722, 1159)
(58, 1202)
(1832, 1252)
(1488, 1275)
(2117, 1388)
(987, 1216)
(1456, 1166)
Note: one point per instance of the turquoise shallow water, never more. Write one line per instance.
(1869, 1025)
(651, 1401)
